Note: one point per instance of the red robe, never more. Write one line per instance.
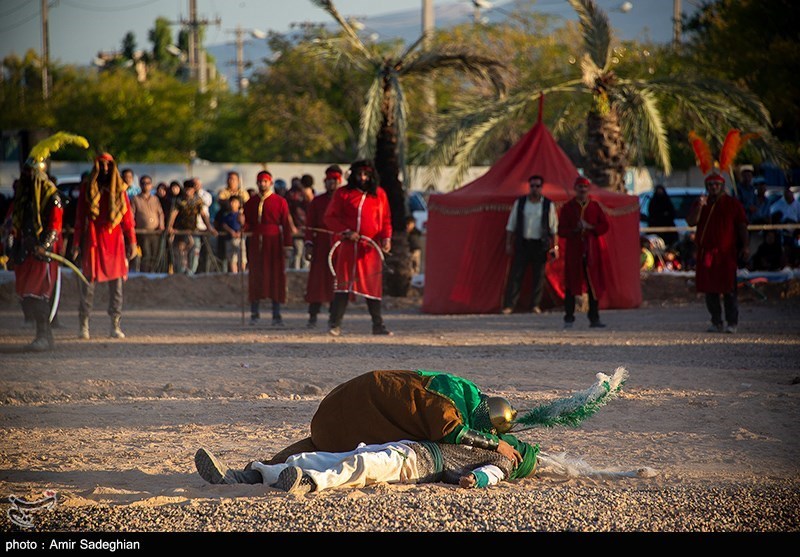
(319, 288)
(589, 243)
(102, 248)
(717, 244)
(35, 278)
(358, 265)
(267, 219)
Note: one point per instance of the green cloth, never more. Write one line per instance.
(528, 452)
(462, 393)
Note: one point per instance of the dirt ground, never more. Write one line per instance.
(114, 424)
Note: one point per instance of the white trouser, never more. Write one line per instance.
(368, 464)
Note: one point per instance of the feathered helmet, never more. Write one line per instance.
(734, 141)
(570, 411)
(37, 159)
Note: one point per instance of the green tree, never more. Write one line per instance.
(129, 46)
(755, 43)
(623, 116)
(160, 37)
(384, 117)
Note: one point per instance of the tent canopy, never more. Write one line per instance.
(466, 267)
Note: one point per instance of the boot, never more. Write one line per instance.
(44, 336)
(83, 331)
(116, 332)
(214, 471)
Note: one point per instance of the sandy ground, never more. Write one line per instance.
(112, 425)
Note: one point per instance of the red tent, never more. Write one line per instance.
(466, 267)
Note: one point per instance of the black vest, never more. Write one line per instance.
(545, 219)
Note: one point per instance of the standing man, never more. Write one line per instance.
(266, 217)
(530, 235)
(299, 198)
(148, 217)
(36, 219)
(721, 235)
(359, 215)
(130, 183)
(202, 225)
(746, 191)
(105, 239)
(319, 288)
(582, 223)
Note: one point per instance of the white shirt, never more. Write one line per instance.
(790, 211)
(207, 200)
(532, 215)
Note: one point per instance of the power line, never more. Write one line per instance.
(12, 10)
(17, 24)
(109, 9)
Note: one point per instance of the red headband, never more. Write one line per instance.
(581, 181)
(105, 157)
(333, 174)
(263, 174)
(714, 177)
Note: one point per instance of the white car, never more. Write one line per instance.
(418, 208)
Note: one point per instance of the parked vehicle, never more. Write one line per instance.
(418, 208)
(682, 199)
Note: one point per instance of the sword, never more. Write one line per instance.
(67, 263)
(56, 295)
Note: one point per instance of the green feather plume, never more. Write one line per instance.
(42, 150)
(573, 410)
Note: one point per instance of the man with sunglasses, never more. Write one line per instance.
(530, 236)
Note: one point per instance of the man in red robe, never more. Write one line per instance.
(318, 242)
(721, 235)
(105, 239)
(266, 219)
(582, 224)
(36, 217)
(359, 215)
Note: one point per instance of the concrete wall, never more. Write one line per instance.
(213, 174)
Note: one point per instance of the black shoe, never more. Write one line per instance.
(597, 325)
(381, 330)
(209, 467)
(293, 480)
(214, 471)
(568, 324)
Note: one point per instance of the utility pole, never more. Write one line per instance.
(676, 23)
(196, 54)
(45, 52)
(428, 27)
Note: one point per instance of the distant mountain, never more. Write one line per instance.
(407, 25)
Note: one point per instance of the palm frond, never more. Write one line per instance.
(400, 121)
(643, 123)
(715, 106)
(350, 33)
(478, 67)
(470, 127)
(370, 119)
(339, 52)
(596, 32)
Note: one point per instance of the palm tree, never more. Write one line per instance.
(384, 122)
(624, 119)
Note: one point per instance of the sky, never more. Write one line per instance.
(79, 29)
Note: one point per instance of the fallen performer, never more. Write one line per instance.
(423, 461)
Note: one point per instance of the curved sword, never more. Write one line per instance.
(67, 263)
(56, 295)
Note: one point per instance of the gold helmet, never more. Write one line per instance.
(501, 413)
